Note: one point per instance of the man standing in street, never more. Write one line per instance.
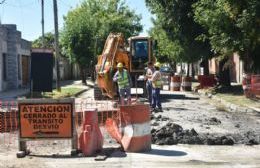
(124, 82)
(149, 73)
(156, 83)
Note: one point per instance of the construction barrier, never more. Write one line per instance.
(136, 128)
(255, 84)
(130, 126)
(186, 83)
(8, 116)
(90, 138)
(207, 80)
(246, 84)
(175, 83)
(8, 124)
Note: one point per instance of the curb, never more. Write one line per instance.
(229, 106)
(79, 93)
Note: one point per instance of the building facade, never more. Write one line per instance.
(14, 58)
(236, 68)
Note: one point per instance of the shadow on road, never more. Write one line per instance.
(54, 156)
(169, 97)
(162, 152)
(107, 152)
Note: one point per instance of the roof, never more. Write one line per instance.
(139, 37)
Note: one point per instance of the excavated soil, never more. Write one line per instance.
(188, 119)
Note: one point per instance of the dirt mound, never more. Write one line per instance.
(172, 134)
(213, 121)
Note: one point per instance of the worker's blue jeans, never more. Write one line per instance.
(125, 92)
(149, 89)
(156, 98)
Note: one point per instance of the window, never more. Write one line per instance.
(4, 67)
(140, 50)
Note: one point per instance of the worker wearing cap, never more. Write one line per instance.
(149, 73)
(124, 82)
(156, 83)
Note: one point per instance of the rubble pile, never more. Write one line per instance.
(172, 133)
(250, 138)
(219, 140)
(166, 132)
(213, 121)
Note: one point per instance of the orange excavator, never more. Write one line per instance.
(134, 58)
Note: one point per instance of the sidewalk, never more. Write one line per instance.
(231, 107)
(14, 94)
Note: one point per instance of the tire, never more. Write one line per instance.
(97, 93)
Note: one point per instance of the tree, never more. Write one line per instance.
(90, 23)
(48, 41)
(232, 26)
(167, 50)
(176, 20)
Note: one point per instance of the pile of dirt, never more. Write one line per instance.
(213, 121)
(219, 140)
(250, 138)
(172, 133)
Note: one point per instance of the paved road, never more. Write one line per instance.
(185, 109)
(192, 156)
(191, 111)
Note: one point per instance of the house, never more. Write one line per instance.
(235, 71)
(14, 58)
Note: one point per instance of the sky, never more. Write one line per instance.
(26, 14)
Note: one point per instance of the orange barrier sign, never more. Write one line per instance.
(46, 120)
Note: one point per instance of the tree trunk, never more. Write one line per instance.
(173, 66)
(205, 65)
(83, 75)
(188, 70)
(192, 70)
(71, 71)
(224, 75)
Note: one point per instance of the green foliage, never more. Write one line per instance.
(174, 19)
(87, 27)
(48, 41)
(232, 26)
(168, 50)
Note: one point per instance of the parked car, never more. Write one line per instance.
(166, 69)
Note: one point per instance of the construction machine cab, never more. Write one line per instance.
(141, 49)
(135, 60)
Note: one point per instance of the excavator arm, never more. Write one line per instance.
(113, 52)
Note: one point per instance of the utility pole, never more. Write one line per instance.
(56, 41)
(43, 40)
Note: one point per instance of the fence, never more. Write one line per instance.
(8, 116)
(9, 122)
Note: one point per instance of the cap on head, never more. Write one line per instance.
(157, 64)
(119, 65)
(107, 63)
